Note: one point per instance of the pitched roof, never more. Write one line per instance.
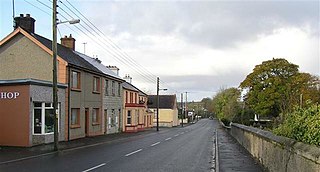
(165, 101)
(131, 87)
(67, 54)
(99, 66)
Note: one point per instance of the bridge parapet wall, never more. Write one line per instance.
(276, 153)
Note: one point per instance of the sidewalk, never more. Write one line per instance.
(11, 154)
(232, 156)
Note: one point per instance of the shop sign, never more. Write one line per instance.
(9, 95)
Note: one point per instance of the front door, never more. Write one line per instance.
(105, 121)
(87, 121)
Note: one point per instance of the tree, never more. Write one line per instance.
(276, 86)
(226, 104)
(270, 87)
(207, 104)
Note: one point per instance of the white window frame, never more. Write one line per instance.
(43, 113)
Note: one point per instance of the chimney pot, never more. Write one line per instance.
(21, 15)
(28, 15)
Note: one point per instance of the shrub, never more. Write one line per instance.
(303, 124)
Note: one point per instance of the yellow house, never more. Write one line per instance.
(168, 111)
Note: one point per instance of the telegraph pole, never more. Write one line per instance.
(157, 103)
(186, 108)
(182, 111)
(54, 80)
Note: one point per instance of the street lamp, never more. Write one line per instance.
(55, 78)
(158, 100)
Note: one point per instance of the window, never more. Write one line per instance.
(95, 116)
(127, 97)
(43, 118)
(131, 97)
(119, 89)
(75, 78)
(75, 116)
(96, 84)
(129, 117)
(113, 88)
(106, 91)
(136, 98)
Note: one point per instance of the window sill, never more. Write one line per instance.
(75, 126)
(95, 92)
(95, 123)
(76, 89)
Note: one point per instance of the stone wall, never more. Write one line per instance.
(275, 153)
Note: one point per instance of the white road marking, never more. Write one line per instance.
(95, 167)
(168, 138)
(155, 144)
(133, 152)
(182, 133)
(176, 135)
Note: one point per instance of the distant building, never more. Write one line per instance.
(168, 110)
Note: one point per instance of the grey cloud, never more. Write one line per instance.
(215, 24)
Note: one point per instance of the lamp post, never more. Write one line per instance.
(55, 78)
(158, 100)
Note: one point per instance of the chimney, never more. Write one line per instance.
(128, 78)
(25, 22)
(114, 69)
(68, 42)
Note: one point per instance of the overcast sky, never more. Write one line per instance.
(198, 47)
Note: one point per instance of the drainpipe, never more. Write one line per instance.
(69, 90)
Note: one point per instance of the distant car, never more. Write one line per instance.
(211, 118)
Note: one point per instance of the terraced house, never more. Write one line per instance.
(111, 93)
(26, 73)
(136, 116)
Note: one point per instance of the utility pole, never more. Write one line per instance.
(158, 103)
(186, 108)
(54, 80)
(182, 111)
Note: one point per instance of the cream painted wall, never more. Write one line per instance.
(20, 58)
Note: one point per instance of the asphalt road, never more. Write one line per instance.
(175, 149)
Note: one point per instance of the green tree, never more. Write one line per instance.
(226, 104)
(207, 104)
(270, 87)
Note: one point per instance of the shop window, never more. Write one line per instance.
(75, 116)
(43, 118)
(95, 116)
(75, 78)
(129, 117)
(96, 84)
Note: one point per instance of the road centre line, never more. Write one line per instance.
(168, 138)
(95, 167)
(182, 133)
(176, 135)
(133, 152)
(155, 144)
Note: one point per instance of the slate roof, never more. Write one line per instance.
(67, 54)
(99, 66)
(131, 87)
(165, 102)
